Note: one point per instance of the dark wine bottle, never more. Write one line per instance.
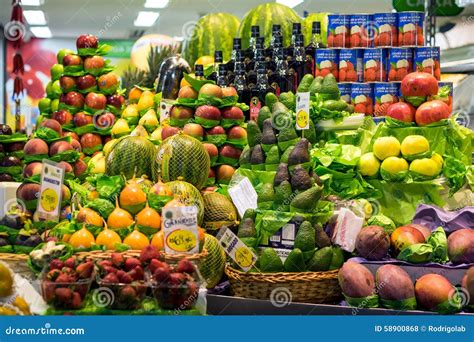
(259, 91)
(230, 66)
(295, 33)
(217, 61)
(279, 77)
(259, 63)
(222, 76)
(315, 43)
(297, 64)
(199, 71)
(249, 53)
(240, 84)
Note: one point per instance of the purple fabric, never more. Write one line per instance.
(433, 217)
(448, 265)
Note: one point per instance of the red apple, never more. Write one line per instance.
(85, 41)
(218, 130)
(94, 63)
(66, 166)
(82, 119)
(90, 140)
(67, 83)
(36, 146)
(80, 167)
(211, 149)
(73, 135)
(74, 99)
(104, 120)
(52, 124)
(168, 131)
(402, 111)
(181, 113)
(108, 82)
(116, 100)
(59, 146)
(86, 82)
(195, 130)
(96, 101)
(76, 145)
(70, 60)
(62, 116)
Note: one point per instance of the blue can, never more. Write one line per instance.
(351, 65)
(345, 90)
(385, 94)
(400, 63)
(386, 28)
(362, 98)
(427, 59)
(375, 65)
(338, 30)
(362, 31)
(410, 28)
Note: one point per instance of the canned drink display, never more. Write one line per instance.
(386, 29)
(327, 62)
(338, 30)
(427, 59)
(400, 63)
(410, 28)
(375, 65)
(345, 90)
(350, 65)
(362, 31)
(362, 98)
(385, 94)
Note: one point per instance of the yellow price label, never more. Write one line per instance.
(243, 257)
(49, 200)
(302, 118)
(181, 240)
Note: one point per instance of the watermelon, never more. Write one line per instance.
(214, 31)
(131, 156)
(265, 16)
(182, 157)
(187, 194)
(212, 265)
(307, 26)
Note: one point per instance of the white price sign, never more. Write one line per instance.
(302, 111)
(243, 195)
(180, 228)
(50, 195)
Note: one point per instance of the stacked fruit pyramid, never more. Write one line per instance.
(212, 115)
(11, 154)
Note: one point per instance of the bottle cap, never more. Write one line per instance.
(218, 56)
(237, 43)
(296, 28)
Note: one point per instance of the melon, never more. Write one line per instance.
(212, 32)
(265, 16)
(182, 157)
(131, 156)
(218, 211)
(307, 27)
(187, 194)
(212, 265)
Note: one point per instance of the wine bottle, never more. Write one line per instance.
(259, 91)
(297, 64)
(217, 61)
(279, 78)
(315, 43)
(249, 53)
(296, 31)
(222, 76)
(240, 84)
(199, 71)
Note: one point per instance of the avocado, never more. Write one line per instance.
(329, 88)
(247, 229)
(268, 136)
(307, 201)
(269, 261)
(282, 195)
(321, 238)
(305, 238)
(287, 134)
(316, 178)
(266, 196)
(257, 158)
(244, 160)
(336, 105)
(289, 100)
(286, 154)
(270, 99)
(282, 174)
(305, 83)
(300, 179)
(254, 135)
(250, 213)
(299, 154)
(282, 117)
(295, 261)
(310, 133)
(273, 156)
(316, 85)
(321, 260)
(264, 113)
(337, 258)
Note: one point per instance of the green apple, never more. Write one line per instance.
(54, 105)
(62, 53)
(56, 90)
(56, 71)
(44, 105)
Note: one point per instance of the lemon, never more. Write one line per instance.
(368, 165)
(425, 166)
(385, 147)
(438, 159)
(394, 165)
(6, 281)
(414, 144)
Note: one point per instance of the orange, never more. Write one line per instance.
(108, 238)
(134, 95)
(82, 238)
(136, 240)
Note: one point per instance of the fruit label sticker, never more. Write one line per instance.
(50, 195)
(236, 249)
(165, 109)
(302, 111)
(243, 195)
(181, 230)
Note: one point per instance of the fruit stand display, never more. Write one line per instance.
(344, 212)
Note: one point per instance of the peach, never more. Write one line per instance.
(59, 147)
(32, 169)
(187, 92)
(195, 130)
(211, 90)
(405, 236)
(36, 146)
(224, 174)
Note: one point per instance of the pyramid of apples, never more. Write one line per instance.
(220, 129)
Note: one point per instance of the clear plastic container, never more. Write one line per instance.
(66, 295)
(122, 296)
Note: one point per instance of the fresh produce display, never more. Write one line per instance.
(11, 154)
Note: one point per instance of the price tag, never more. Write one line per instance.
(165, 109)
(302, 111)
(236, 249)
(181, 230)
(50, 195)
(243, 195)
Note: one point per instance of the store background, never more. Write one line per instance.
(114, 21)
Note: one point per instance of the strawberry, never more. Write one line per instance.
(76, 302)
(63, 294)
(117, 259)
(105, 263)
(110, 278)
(53, 274)
(85, 270)
(131, 263)
(125, 278)
(56, 264)
(70, 262)
(148, 253)
(128, 293)
(185, 266)
(137, 273)
(63, 278)
(177, 278)
(155, 264)
(161, 274)
(110, 269)
(48, 290)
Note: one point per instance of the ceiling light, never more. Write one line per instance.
(32, 2)
(156, 3)
(41, 31)
(146, 19)
(290, 3)
(35, 17)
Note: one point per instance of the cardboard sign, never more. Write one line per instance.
(243, 195)
(302, 111)
(50, 195)
(180, 230)
(165, 109)
(236, 249)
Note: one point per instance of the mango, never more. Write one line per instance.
(372, 243)
(356, 280)
(461, 246)
(385, 147)
(369, 165)
(425, 167)
(394, 283)
(414, 145)
(431, 290)
(468, 284)
(405, 236)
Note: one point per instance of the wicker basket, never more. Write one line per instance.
(100, 255)
(306, 287)
(18, 263)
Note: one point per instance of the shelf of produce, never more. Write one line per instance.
(227, 305)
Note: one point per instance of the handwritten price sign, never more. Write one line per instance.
(181, 230)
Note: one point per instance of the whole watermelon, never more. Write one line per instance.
(187, 194)
(212, 265)
(214, 31)
(131, 156)
(265, 16)
(307, 26)
(182, 157)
